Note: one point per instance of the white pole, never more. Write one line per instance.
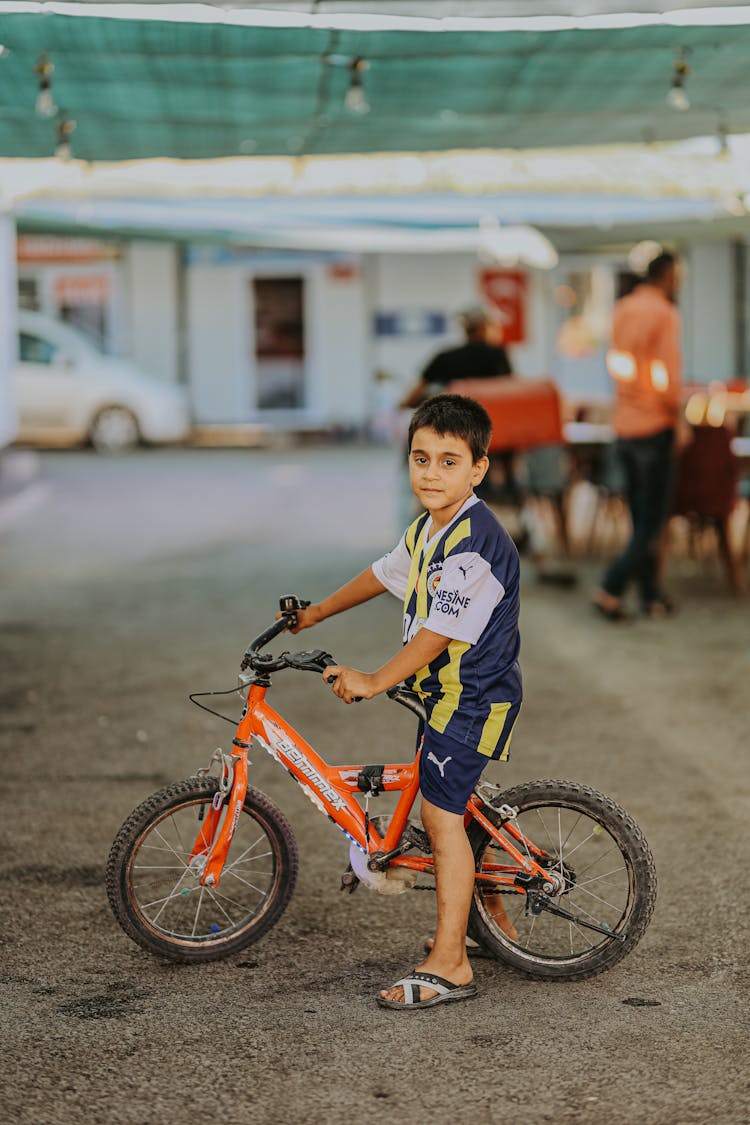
(8, 322)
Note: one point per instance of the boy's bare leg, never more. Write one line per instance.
(495, 907)
(454, 881)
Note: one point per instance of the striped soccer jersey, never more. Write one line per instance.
(463, 582)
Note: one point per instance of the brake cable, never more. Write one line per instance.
(196, 695)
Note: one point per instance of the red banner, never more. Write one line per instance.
(505, 290)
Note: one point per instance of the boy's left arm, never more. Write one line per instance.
(422, 649)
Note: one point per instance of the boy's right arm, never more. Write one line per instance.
(361, 589)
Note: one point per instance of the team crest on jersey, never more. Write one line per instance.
(435, 573)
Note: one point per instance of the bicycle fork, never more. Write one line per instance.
(212, 843)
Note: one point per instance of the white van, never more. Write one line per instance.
(68, 393)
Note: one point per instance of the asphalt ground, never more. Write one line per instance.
(127, 583)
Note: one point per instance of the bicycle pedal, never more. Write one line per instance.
(349, 881)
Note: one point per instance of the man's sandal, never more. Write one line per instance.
(444, 990)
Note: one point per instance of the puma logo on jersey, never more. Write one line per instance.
(440, 765)
(465, 569)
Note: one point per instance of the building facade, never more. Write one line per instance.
(318, 340)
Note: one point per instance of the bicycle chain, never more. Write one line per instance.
(422, 887)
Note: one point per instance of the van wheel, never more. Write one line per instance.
(114, 430)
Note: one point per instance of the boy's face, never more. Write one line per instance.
(443, 472)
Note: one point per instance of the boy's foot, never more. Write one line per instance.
(425, 990)
(454, 977)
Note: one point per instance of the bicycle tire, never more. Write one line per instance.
(166, 932)
(590, 820)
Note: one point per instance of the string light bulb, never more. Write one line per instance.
(677, 97)
(355, 100)
(45, 103)
(65, 129)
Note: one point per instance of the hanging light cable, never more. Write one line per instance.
(45, 103)
(677, 97)
(65, 127)
(355, 100)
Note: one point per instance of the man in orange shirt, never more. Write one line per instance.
(646, 367)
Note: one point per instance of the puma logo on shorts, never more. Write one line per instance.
(440, 765)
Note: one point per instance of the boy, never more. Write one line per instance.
(457, 571)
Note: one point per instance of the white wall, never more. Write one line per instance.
(342, 389)
(152, 298)
(217, 348)
(707, 307)
(444, 283)
(8, 332)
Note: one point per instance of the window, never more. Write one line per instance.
(28, 293)
(35, 349)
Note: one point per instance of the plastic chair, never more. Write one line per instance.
(706, 493)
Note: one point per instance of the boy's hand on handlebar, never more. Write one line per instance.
(306, 618)
(350, 684)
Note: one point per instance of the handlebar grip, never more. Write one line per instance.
(268, 634)
(332, 680)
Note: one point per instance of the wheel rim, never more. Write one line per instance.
(164, 886)
(598, 880)
(114, 428)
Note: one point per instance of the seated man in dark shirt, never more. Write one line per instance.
(475, 359)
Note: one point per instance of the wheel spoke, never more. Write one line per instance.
(591, 894)
(167, 898)
(245, 881)
(546, 832)
(599, 858)
(169, 846)
(215, 896)
(247, 850)
(197, 911)
(596, 878)
(152, 867)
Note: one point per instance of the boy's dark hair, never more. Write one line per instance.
(458, 415)
(659, 265)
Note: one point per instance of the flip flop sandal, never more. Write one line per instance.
(445, 991)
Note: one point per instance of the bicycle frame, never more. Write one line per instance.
(333, 790)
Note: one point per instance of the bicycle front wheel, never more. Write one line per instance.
(154, 889)
(606, 874)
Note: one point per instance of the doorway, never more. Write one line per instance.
(279, 358)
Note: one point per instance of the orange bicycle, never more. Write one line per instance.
(206, 866)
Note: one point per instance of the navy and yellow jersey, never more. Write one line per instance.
(463, 582)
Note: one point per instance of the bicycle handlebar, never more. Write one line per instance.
(289, 605)
(309, 660)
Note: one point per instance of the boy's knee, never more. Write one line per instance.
(439, 821)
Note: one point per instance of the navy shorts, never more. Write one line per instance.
(448, 770)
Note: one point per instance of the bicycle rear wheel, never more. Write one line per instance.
(609, 881)
(155, 891)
